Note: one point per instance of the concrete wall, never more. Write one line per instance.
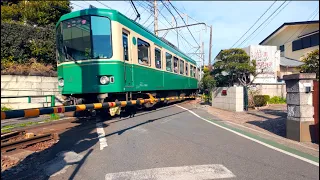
(233, 101)
(12, 85)
(272, 89)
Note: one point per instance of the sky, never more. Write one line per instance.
(229, 20)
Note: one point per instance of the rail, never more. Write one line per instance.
(27, 113)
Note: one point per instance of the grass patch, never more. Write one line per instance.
(277, 100)
(8, 128)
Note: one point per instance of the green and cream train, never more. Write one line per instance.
(104, 56)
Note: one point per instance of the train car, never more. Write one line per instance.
(104, 56)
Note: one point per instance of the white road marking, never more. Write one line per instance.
(198, 172)
(101, 135)
(252, 139)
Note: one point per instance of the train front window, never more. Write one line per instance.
(83, 38)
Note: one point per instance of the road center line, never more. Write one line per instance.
(252, 139)
(101, 135)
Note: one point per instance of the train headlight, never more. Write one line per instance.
(61, 82)
(104, 80)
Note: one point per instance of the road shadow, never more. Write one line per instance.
(79, 139)
(276, 125)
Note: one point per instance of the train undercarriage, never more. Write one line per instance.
(77, 99)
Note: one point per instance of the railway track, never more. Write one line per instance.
(20, 139)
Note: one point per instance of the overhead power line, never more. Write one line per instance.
(254, 23)
(261, 24)
(270, 21)
(77, 5)
(184, 22)
(311, 17)
(104, 4)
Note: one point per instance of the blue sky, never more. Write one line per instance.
(230, 20)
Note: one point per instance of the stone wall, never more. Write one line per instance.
(232, 101)
(12, 85)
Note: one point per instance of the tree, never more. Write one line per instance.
(40, 13)
(311, 63)
(234, 67)
(207, 82)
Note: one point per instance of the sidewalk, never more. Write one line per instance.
(269, 123)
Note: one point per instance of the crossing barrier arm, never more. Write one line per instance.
(81, 107)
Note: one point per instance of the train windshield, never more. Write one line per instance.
(83, 38)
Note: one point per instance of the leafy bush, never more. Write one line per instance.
(311, 61)
(277, 100)
(22, 42)
(4, 108)
(261, 100)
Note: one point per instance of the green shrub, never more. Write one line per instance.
(261, 100)
(277, 100)
(20, 43)
(4, 108)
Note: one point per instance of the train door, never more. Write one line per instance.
(127, 59)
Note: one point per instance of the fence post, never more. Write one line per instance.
(245, 98)
(53, 103)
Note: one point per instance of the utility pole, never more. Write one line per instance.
(155, 18)
(210, 46)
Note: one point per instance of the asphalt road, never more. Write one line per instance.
(167, 143)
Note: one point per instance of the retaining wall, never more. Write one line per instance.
(12, 85)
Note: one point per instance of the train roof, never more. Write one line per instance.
(115, 15)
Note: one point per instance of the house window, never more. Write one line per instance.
(305, 42)
(168, 62)
(282, 48)
(143, 52)
(157, 54)
(314, 40)
(296, 45)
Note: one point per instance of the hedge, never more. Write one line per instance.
(20, 43)
(261, 100)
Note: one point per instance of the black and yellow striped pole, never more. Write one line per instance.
(81, 107)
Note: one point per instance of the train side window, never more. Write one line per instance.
(187, 69)
(157, 53)
(194, 71)
(181, 66)
(191, 69)
(168, 62)
(143, 52)
(175, 64)
(125, 46)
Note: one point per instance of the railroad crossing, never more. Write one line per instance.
(181, 141)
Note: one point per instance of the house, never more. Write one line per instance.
(294, 40)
